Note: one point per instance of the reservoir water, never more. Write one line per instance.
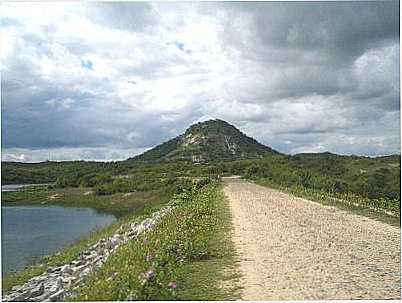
(17, 187)
(32, 232)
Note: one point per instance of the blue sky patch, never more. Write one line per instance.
(179, 45)
(87, 64)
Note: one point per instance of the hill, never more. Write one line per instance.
(212, 140)
(219, 148)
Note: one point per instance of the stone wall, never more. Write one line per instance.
(56, 282)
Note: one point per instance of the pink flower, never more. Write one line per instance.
(172, 285)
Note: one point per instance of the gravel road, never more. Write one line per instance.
(295, 249)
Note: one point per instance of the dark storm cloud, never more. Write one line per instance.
(343, 30)
(314, 44)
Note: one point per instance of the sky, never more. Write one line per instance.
(106, 81)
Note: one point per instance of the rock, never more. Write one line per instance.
(68, 270)
(77, 262)
(38, 278)
(95, 246)
(68, 280)
(40, 298)
(57, 269)
(80, 268)
(86, 272)
(61, 268)
(56, 282)
(52, 288)
(38, 290)
(57, 296)
(16, 297)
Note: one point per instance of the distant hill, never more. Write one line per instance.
(212, 140)
(219, 147)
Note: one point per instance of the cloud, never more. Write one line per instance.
(66, 154)
(131, 16)
(120, 77)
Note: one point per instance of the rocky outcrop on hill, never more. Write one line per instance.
(205, 142)
(57, 282)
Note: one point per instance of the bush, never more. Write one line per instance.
(305, 180)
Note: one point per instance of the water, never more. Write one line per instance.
(32, 232)
(17, 187)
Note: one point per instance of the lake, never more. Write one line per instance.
(32, 232)
(17, 187)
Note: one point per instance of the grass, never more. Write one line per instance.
(353, 203)
(117, 204)
(126, 208)
(188, 256)
(195, 277)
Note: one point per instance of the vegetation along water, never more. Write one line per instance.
(190, 254)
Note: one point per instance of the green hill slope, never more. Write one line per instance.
(212, 140)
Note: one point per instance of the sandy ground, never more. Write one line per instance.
(294, 249)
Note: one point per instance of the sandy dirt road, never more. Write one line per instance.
(294, 249)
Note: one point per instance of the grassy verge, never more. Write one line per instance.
(188, 256)
(358, 205)
(127, 208)
(117, 204)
